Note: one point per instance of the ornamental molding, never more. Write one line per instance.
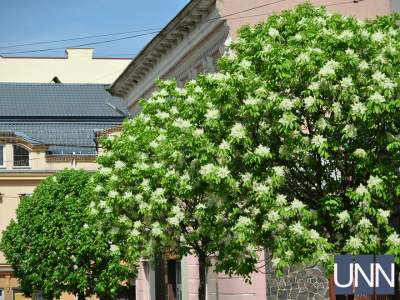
(197, 44)
(15, 175)
(191, 25)
(202, 57)
(184, 69)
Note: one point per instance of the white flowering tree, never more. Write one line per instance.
(326, 89)
(292, 146)
(170, 183)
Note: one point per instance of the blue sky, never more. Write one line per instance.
(29, 21)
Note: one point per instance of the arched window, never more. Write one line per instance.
(21, 156)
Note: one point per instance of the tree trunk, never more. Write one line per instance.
(202, 276)
(160, 284)
(331, 287)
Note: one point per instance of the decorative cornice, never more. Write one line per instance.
(25, 174)
(207, 36)
(176, 30)
(216, 44)
(6, 269)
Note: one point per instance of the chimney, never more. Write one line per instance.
(79, 53)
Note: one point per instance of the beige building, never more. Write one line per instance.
(78, 66)
(190, 44)
(45, 128)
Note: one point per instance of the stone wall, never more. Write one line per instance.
(297, 283)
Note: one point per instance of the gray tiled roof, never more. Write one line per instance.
(63, 116)
(58, 100)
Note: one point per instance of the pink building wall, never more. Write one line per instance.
(143, 283)
(219, 285)
(224, 287)
(361, 9)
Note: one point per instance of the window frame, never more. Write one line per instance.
(28, 166)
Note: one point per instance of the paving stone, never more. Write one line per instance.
(302, 296)
(282, 294)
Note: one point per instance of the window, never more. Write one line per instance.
(1, 294)
(174, 278)
(1, 155)
(168, 281)
(21, 157)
